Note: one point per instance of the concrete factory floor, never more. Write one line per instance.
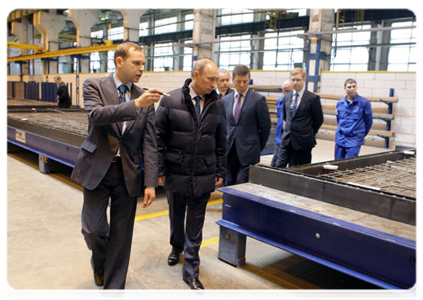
(46, 251)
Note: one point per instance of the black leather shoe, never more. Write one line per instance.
(99, 278)
(194, 284)
(173, 258)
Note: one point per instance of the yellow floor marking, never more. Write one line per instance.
(166, 212)
(209, 242)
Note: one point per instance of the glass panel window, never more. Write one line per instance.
(234, 50)
(97, 34)
(94, 62)
(402, 53)
(187, 64)
(110, 61)
(282, 50)
(236, 16)
(116, 33)
(347, 55)
(143, 29)
(189, 22)
(163, 57)
(165, 25)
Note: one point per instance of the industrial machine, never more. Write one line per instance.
(355, 215)
(50, 132)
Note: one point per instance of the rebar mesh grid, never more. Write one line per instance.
(397, 177)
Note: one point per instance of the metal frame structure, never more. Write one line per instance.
(382, 258)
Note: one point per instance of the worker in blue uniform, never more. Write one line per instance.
(354, 117)
(286, 88)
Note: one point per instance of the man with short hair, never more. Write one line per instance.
(191, 137)
(303, 116)
(248, 121)
(63, 98)
(354, 117)
(286, 88)
(117, 161)
(223, 88)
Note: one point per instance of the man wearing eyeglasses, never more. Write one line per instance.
(248, 122)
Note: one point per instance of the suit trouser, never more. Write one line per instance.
(110, 244)
(190, 241)
(294, 157)
(275, 155)
(237, 173)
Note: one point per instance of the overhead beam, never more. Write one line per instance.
(71, 51)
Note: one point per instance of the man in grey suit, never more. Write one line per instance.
(117, 159)
(248, 122)
(303, 116)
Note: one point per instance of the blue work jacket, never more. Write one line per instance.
(354, 121)
(279, 124)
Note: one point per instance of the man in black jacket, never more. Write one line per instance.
(303, 116)
(62, 93)
(191, 139)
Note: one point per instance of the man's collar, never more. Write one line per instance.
(236, 93)
(118, 82)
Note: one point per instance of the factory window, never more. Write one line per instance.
(402, 53)
(187, 64)
(165, 25)
(282, 51)
(349, 50)
(143, 29)
(163, 57)
(236, 16)
(189, 22)
(234, 50)
(116, 33)
(110, 61)
(94, 62)
(97, 34)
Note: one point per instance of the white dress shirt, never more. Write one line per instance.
(236, 99)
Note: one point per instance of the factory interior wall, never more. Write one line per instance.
(370, 84)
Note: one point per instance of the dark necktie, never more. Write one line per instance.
(237, 108)
(123, 88)
(197, 107)
(220, 95)
(294, 107)
(122, 91)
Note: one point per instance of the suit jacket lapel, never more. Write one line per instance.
(135, 93)
(109, 89)
(303, 101)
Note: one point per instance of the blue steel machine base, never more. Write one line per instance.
(381, 259)
(45, 147)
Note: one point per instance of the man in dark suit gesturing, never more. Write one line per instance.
(303, 116)
(248, 121)
(117, 159)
